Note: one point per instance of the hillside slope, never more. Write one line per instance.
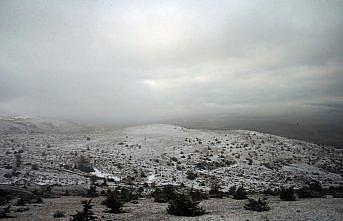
(168, 154)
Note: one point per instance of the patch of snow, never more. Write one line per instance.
(151, 178)
(98, 173)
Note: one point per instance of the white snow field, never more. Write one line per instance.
(163, 154)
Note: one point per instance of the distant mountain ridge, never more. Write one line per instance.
(25, 124)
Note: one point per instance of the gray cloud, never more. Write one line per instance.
(144, 61)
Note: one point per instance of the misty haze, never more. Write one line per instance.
(171, 110)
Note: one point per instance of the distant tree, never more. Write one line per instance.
(240, 193)
(287, 194)
(113, 202)
(182, 204)
(86, 214)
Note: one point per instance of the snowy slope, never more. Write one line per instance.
(169, 154)
(24, 124)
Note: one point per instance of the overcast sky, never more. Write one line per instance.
(127, 61)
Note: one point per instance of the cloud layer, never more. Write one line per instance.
(141, 61)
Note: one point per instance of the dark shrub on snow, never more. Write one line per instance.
(257, 205)
(86, 214)
(182, 204)
(240, 193)
(287, 194)
(164, 194)
(312, 190)
(113, 202)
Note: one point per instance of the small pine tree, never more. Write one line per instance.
(287, 194)
(183, 205)
(86, 214)
(113, 202)
(240, 193)
(215, 191)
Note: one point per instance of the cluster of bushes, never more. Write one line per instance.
(20, 199)
(336, 192)
(312, 190)
(215, 191)
(83, 164)
(129, 194)
(182, 204)
(164, 194)
(205, 165)
(185, 202)
(44, 191)
(114, 202)
(198, 195)
(287, 194)
(115, 199)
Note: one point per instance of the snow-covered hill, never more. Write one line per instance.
(168, 154)
(25, 124)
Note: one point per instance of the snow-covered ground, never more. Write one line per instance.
(162, 154)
